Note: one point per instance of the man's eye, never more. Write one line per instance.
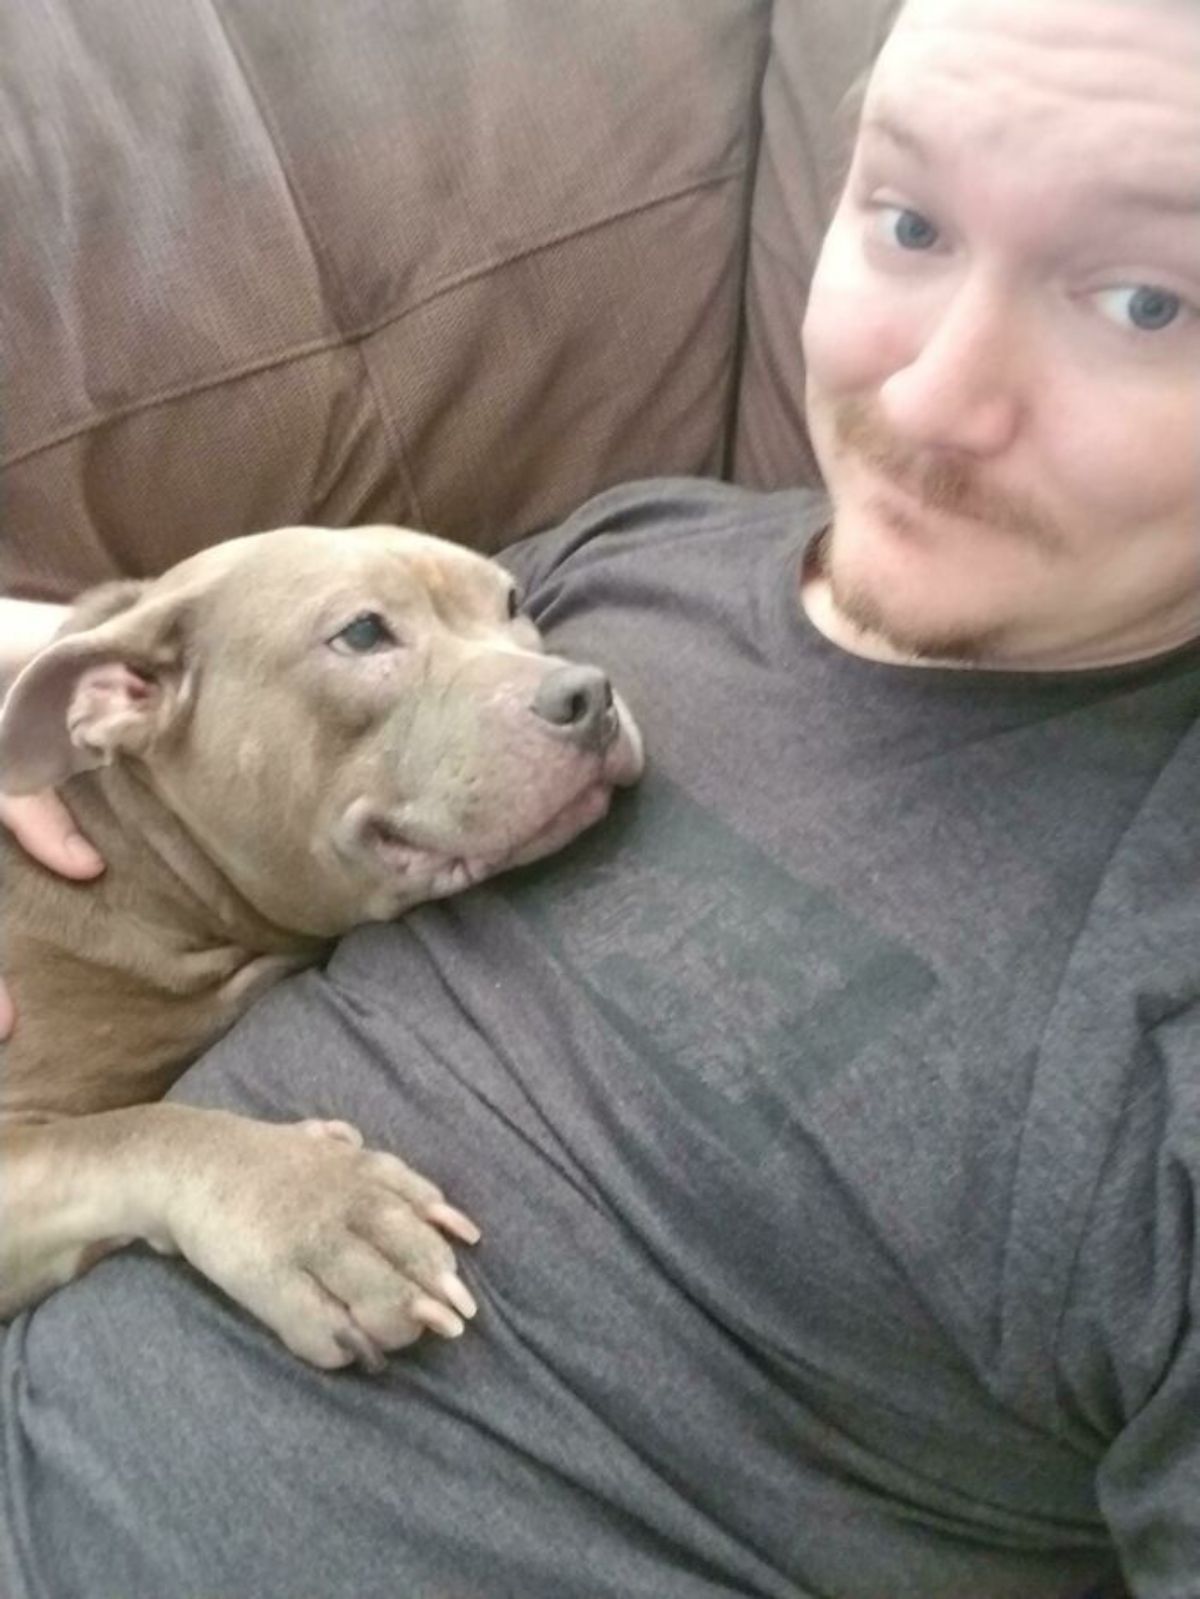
(1141, 306)
(365, 634)
(909, 229)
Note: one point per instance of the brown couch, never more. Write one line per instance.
(451, 263)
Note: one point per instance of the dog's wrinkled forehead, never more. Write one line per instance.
(294, 581)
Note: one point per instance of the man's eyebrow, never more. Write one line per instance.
(1136, 198)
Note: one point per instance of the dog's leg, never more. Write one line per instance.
(336, 1248)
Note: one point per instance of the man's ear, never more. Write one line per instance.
(112, 689)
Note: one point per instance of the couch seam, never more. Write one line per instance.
(345, 339)
(779, 255)
(325, 270)
(756, 123)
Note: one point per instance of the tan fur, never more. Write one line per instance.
(257, 787)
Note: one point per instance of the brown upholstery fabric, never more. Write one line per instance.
(457, 263)
(818, 50)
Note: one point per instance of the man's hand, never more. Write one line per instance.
(42, 825)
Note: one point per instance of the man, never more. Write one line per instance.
(833, 1111)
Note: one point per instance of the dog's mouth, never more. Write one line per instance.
(412, 854)
(426, 870)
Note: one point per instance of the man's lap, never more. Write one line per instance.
(161, 1443)
(622, 1419)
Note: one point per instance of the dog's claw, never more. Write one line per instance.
(437, 1317)
(456, 1291)
(453, 1221)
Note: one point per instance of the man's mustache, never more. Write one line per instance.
(941, 484)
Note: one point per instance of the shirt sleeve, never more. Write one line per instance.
(532, 560)
(1133, 1334)
(629, 509)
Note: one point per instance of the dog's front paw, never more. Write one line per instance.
(340, 1250)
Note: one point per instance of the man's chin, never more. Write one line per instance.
(914, 637)
(902, 619)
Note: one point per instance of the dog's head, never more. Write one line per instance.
(349, 722)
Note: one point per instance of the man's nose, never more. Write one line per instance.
(577, 701)
(962, 390)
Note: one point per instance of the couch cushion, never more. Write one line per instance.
(819, 48)
(457, 263)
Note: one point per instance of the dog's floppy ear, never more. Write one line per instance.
(112, 683)
(102, 603)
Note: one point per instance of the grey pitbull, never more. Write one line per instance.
(284, 736)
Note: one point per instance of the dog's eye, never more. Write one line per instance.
(365, 634)
(514, 605)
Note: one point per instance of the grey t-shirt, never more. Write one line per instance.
(832, 1112)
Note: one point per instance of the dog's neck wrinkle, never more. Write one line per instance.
(120, 981)
(166, 875)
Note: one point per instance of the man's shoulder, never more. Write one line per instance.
(653, 518)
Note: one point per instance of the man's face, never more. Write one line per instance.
(1003, 339)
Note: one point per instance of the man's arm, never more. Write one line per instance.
(1145, 1318)
(25, 627)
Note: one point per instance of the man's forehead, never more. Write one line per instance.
(1071, 43)
(1111, 86)
(1053, 15)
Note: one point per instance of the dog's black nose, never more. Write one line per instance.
(579, 701)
